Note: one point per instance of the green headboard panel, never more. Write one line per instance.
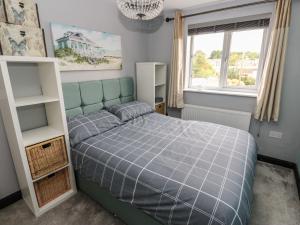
(91, 96)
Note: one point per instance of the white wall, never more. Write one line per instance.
(159, 48)
(99, 15)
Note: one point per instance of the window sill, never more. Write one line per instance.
(222, 92)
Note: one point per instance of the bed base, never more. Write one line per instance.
(127, 213)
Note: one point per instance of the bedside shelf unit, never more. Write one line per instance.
(151, 84)
(16, 77)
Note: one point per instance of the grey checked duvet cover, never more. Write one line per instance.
(179, 172)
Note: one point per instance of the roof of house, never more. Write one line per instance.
(77, 36)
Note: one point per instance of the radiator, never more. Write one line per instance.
(237, 119)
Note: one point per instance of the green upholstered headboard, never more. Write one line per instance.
(91, 96)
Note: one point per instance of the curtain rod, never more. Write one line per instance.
(168, 19)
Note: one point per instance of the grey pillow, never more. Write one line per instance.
(82, 127)
(131, 110)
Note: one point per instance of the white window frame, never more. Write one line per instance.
(224, 65)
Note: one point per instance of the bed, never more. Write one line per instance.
(155, 169)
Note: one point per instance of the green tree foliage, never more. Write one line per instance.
(252, 55)
(238, 56)
(233, 73)
(234, 76)
(249, 81)
(201, 66)
(216, 54)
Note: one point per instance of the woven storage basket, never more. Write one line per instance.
(51, 187)
(46, 157)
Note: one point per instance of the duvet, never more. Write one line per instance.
(179, 172)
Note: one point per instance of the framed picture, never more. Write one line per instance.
(22, 12)
(81, 49)
(18, 40)
(2, 12)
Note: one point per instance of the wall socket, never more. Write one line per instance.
(275, 134)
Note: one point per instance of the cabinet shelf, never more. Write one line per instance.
(38, 135)
(152, 84)
(34, 100)
(158, 103)
(33, 112)
(52, 172)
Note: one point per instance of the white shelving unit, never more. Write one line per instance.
(151, 83)
(34, 100)
(51, 97)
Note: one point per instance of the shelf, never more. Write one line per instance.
(34, 100)
(161, 84)
(52, 172)
(27, 59)
(38, 135)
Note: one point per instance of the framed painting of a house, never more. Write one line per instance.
(81, 49)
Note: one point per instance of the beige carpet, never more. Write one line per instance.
(276, 202)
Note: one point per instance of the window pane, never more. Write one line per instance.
(206, 60)
(244, 58)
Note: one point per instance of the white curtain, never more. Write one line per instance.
(269, 96)
(176, 81)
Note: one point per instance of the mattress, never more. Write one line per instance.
(178, 172)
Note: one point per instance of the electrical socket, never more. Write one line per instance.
(275, 134)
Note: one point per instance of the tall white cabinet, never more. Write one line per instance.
(152, 84)
(41, 153)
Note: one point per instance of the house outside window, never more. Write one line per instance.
(227, 57)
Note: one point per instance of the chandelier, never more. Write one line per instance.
(141, 9)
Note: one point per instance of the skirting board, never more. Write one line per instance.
(283, 163)
(8, 200)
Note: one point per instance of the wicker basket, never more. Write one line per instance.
(160, 108)
(51, 187)
(46, 157)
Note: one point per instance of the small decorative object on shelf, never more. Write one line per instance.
(141, 9)
(159, 99)
(18, 40)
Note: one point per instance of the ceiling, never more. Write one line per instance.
(183, 4)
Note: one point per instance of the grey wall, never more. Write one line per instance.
(298, 164)
(95, 15)
(159, 48)
(8, 179)
(100, 15)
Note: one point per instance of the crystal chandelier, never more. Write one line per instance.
(141, 9)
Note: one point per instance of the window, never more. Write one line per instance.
(227, 57)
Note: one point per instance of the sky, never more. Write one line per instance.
(241, 41)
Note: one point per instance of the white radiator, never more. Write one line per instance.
(237, 119)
